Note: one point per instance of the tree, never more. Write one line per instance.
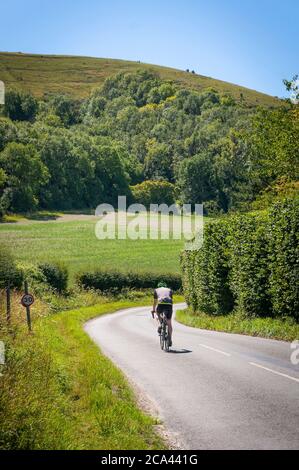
(20, 106)
(67, 108)
(293, 87)
(196, 180)
(158, 161)
(153, 192)
(25, 175)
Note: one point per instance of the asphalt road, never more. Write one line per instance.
(214, 390)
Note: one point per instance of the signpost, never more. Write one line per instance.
(27, 300)
(8, 303)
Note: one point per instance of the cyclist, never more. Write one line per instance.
(163, 303)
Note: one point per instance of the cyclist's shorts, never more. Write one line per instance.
(167, 308)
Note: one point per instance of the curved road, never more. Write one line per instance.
(214, 390)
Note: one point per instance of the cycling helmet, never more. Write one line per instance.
(162, 284)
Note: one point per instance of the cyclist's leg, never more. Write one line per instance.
(169, 322)
(169, 327)
(159, 318)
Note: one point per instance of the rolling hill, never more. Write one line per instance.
(76, 75)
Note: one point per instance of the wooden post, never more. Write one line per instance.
(27, 308)
(8, 307)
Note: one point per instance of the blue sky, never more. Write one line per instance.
(254, 43)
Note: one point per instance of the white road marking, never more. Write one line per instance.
(274, 371)
(216, 350)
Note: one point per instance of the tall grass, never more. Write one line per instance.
(283, 329)
(41, 74)
(59, 392)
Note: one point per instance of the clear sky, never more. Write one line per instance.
(254, 43)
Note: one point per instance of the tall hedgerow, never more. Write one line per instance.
(205, 272)
(248, 263)
(283, 233)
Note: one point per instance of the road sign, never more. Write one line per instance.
(27, 300)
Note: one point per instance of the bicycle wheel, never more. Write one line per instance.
(166, 341)
(162, 338)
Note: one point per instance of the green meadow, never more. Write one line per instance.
(74, 243)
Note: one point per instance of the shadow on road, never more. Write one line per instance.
(180, 351)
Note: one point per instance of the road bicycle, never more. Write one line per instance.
(163, 332)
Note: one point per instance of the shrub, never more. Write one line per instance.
(188, 260)
(248, 263)
(9, 273)
(205, 272)
(153, 192)
(283, 231)
(56, 275)
(116, 280)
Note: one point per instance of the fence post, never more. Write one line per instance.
(8, 307)
(27, 307)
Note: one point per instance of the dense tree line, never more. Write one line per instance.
(63, 153)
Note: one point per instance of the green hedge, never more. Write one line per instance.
(9, 272)
(248, 263)
(56, 275)
(283, 234)
(205, 272)
(115, 280)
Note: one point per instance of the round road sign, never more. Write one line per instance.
(27, 300)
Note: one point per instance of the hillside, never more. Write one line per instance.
(40, 74)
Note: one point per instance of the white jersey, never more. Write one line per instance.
(163, 295)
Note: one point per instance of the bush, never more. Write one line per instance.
(283, 234)
(248, 263)
(56, 275)
(205, 272)
(153, 192)
(9, 273)
(109, 281)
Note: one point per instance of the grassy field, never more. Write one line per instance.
(279, 328)
(74, 242)
(76, 75)
(59, 392)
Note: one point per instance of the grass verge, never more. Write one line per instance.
(283, 329)
(59, 392)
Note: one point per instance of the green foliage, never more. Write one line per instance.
(196, 179)
(247, 263)
(66, 108)
(205, 272)
(114, 281)
(9, 272)
(56, 275)
(58, 391)
(153, 192)
(138, 127)
(26, 174)
(285, 329)
(273, 145)
(283, 235)
(8, 132)
(20, 106)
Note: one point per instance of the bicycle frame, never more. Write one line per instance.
(164, 337)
